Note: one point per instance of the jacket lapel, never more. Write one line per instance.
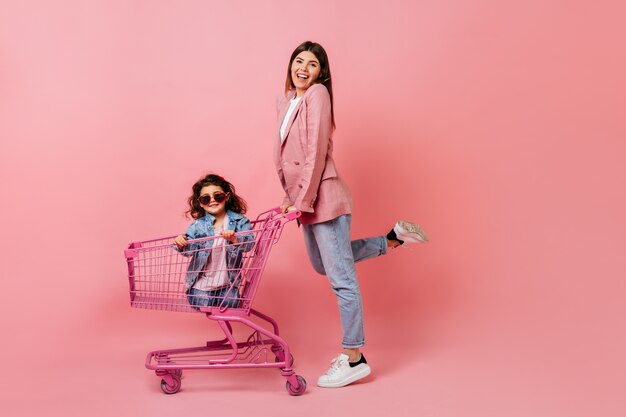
(283, 112)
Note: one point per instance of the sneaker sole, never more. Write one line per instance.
(362, 373)
(407, 227)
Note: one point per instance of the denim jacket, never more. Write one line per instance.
(201, 251)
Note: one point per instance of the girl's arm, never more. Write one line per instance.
(180, 242)
(244, 242)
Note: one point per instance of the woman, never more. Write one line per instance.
(307, 172)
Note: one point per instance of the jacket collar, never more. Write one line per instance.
(232, 217)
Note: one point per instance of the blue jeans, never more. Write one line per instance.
(214, 298)
(333, 254)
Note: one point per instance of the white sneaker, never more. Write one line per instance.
(341, 373)
(410, 232)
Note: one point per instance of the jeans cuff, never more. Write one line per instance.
(353, 346)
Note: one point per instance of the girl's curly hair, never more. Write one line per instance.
(233, 201)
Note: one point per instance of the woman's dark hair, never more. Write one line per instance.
(233, 201)
(324, 77)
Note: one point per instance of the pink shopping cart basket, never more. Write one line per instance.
(157, 274)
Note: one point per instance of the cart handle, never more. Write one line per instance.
(292, 215)
(289, 215)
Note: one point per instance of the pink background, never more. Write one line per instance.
(497, 125)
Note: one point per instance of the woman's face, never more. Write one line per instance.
(213, 206)
(305, 69)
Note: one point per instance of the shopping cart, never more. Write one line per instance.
(157, 275)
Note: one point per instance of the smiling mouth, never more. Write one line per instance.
(302, 76)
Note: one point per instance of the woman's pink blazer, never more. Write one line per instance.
(304, 159)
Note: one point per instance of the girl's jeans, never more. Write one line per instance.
(333, 254)
(216, 298)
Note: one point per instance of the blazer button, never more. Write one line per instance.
(300, 185)
(296, 163)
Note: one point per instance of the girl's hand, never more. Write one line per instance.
(229, 235)
(180, 241)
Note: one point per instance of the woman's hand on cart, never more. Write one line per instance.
(285, 208)
(180, 241)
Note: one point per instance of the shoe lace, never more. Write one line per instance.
(335, 364)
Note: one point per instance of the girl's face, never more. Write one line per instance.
(216, 204)
(305, 69)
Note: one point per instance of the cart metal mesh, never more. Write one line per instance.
(157, 272)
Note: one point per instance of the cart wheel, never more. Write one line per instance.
(281, 358)
(171, 389)
(299, 390)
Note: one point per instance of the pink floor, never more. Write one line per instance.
(442, 360)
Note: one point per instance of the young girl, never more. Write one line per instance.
(215, 263)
